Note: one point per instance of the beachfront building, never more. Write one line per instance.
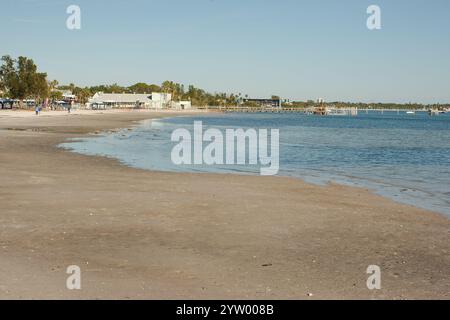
(153, 100)
(182, 105)
(267, 103)
(68, 97)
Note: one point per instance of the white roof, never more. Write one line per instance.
(120, 98)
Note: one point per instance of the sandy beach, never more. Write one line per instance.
(150, 235)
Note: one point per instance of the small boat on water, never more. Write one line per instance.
(434, 112)
(320, 111)
(410, 112)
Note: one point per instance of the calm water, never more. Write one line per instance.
(404, 157)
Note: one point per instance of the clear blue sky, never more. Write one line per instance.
(296, 49)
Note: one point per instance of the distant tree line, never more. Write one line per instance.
(20, 79)
(197, 96)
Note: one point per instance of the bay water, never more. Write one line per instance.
(401, 156)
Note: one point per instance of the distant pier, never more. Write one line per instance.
(324, 111)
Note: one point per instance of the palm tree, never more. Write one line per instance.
(52, 85)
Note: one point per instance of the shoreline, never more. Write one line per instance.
(184, 235)
(345, 180)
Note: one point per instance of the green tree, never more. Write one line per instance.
(21, 80)
(56, 95)
(40, 89)
(82, 94)
(140, 87)
(8, 75)
(154, 88)
(115, 88)
(53, 85)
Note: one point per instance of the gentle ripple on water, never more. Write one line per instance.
(404, 157)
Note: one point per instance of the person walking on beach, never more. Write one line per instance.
(37, 110)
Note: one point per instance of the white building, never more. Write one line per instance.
(68, 96)
(182, 105)
(153, 100)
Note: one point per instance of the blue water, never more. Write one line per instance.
(404, 157)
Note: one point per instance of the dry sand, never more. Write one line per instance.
(148, 235)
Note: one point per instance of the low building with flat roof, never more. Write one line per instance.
(274, 103)
(154, 100)
(182, 105)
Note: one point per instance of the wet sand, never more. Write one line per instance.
(149, 235)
